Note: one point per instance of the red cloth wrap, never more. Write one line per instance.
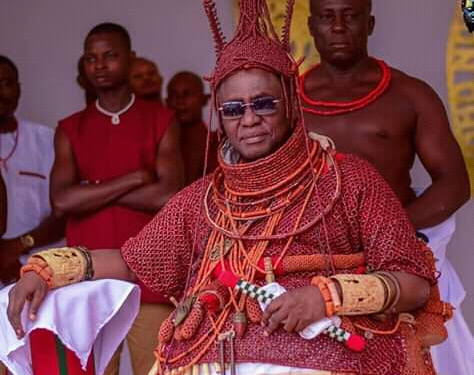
(48, 359)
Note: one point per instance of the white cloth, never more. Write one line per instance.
(26, 176)
(455, 356)
(84, 316)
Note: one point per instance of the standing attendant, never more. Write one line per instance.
(387, 117)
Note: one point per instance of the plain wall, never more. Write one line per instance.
(45, 39)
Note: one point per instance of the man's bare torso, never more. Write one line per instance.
(382, 132)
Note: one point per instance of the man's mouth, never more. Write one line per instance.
(257, 138)
(339, 45)
(102, 78)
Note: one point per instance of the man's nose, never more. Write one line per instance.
(339, 24)
(100, 64)
(249, 118)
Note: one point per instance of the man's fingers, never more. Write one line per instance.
(38, 296)
(275, 320)
(273, 307)
(290, 324)
(15, 307)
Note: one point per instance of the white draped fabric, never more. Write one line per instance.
(84, 316)
(456, 355)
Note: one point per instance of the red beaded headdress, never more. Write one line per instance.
(255, 44)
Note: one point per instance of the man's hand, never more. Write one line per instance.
(30, 287)
(10, 266)
(295, 309)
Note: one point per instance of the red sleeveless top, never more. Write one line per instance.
(104, 151)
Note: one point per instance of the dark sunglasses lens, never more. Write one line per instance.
(232, 109)
(263, 106)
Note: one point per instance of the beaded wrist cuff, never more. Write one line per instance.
(361, 294)
(329, 293)
(39, 266)
(62, 266)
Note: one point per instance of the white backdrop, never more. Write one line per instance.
(45, 39)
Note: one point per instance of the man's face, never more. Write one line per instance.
(106, 61)
(254, 136)
(340, 29)
(186, 98)
(145, 79)
(9, 91)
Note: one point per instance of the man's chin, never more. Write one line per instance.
(342, 59)
(107, 86)
(187, 120)
(253, 154)
(150, 96)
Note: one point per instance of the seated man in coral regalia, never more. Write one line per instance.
(289, 259)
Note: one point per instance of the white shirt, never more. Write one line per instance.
(26, 176)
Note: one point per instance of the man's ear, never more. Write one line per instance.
(371, 24)
(80, 81)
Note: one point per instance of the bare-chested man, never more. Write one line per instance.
(386, 117)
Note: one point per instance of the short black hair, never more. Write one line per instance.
(193, 77)
(113, 28)
(311, 3)
(5, 60)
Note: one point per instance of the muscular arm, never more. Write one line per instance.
(441, 156)
(170, 176)
(68, 196)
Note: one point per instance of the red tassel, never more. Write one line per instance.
(228, 279)
(240, 323)
(356, 343)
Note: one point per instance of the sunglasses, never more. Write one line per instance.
(235, 109)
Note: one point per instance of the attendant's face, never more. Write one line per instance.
(9, 91)
(340, 29)
(145, 79)
(106, 61)
(186, 98)
(258, 130)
